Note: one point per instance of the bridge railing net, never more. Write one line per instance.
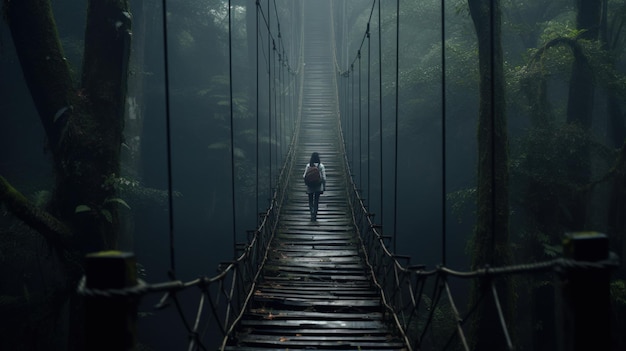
(421, 303)
(223, 297)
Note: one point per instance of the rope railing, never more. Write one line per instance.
(404, 287)
(226, 293)
(221, 299)
(411, 294)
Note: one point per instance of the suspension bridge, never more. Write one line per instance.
(334, 283)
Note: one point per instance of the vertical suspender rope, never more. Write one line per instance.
(492, 69)
(273, 98)
(380, 111)
(344, 100)
(278, 96)
(257, 108)
(279, 107)
(283, 122)
(170, 202)
(269, 94)
(443, 134)
(283, 104)
(369, 79)
(232, 128)
(360, 127)
(348, 111)
(274, 117)
(395, 161)
(168, 137)
(346, 129)
(352, 146)
(346, 108)
(288, 113)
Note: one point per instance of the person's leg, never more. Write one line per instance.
(316, 205)
(311, 208)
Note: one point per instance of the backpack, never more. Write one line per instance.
(313, 176)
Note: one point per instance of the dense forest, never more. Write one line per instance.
(533, 99)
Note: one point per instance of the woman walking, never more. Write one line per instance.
(315, 180)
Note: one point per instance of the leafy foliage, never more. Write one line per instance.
(618, 292)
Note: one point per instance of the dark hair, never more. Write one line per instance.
(315, 158)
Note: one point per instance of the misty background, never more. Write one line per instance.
(208, 221)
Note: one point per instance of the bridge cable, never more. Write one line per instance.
(352, 115)
(273, 119)
(395, 161)
(380, 111)
(279, 105)
(369, 79)
(266, 20)
(493, 126)
(232, 129)
(443, 134)
(365, 34)
(168, 140)
(360, 134)
(269, 94)
(256, 185)
(168, 137)
(265, 56)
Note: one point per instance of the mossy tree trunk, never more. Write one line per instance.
(83, 122)
(491, 236)
(580, 107)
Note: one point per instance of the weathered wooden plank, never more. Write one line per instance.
(315, 291)
(262, 313)
(295, 341)
(319, 332)
(321, 285)
(320, 324)
(314, 295)
(286, 235)
(343, 259)
(317, 253)
(330, 338)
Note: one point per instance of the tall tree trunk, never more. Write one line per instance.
(143, 12)
(83, 125)
(617, 137)
(491, 237)
(580, 105)
(96, 160)
(581, 90)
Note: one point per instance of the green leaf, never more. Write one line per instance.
(117, 200)
(107, 214)
(82, 208)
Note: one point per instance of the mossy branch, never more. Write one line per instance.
(572, 43)
(43, 222)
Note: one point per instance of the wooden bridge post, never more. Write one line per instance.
(110, 321)
(583, 305)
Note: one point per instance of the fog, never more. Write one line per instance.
(415, 156)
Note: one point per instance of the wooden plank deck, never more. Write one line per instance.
(315, 292)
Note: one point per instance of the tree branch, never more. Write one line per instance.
(47, 225)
